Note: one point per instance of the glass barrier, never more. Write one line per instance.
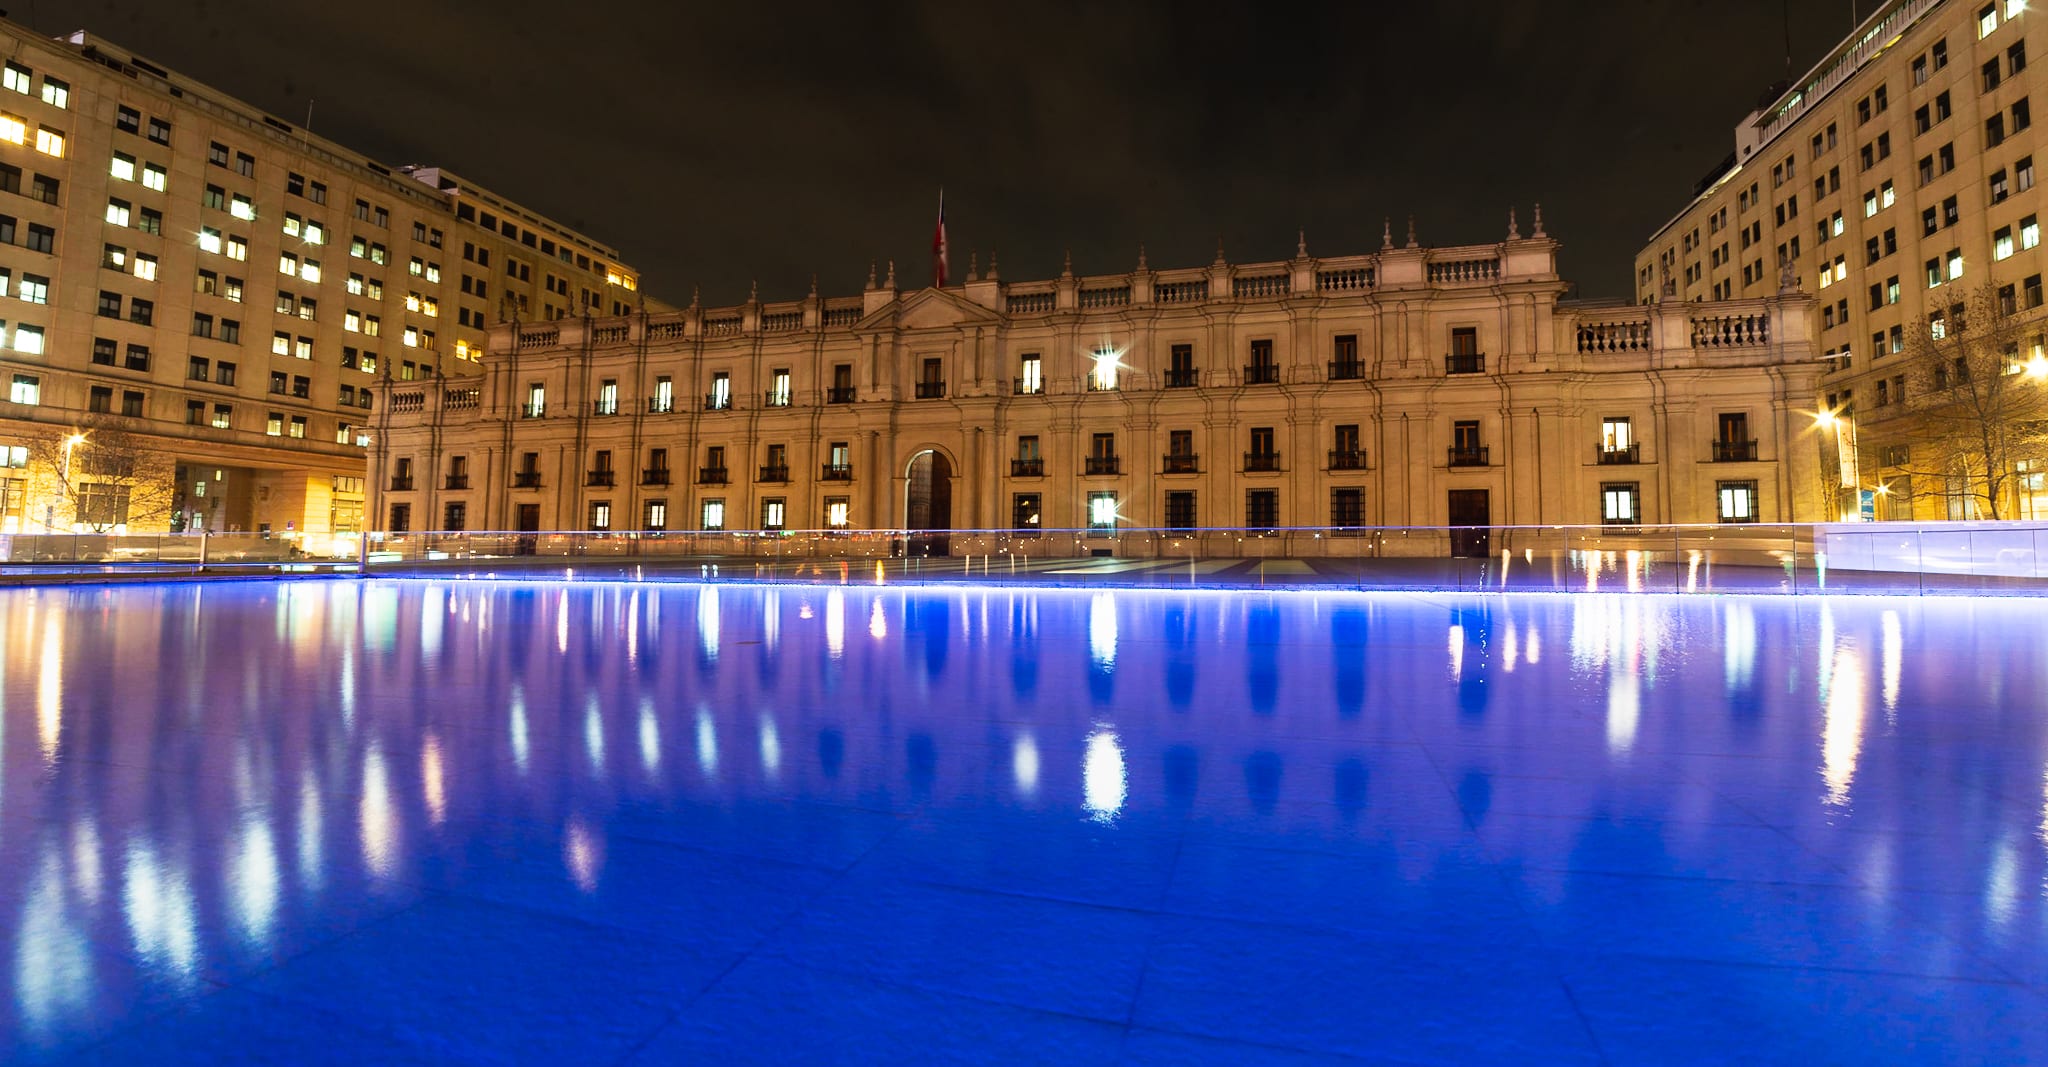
(2008, 557)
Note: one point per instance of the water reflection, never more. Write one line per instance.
(186, 790)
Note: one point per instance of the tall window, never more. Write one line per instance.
(721, 392)
(1180, 510)
(1262, 508)
(714, 514)
(1101, 512)
(1347, 507)
(1025, 513)
(1620, 503)
(778, 388)
(1030, 375)
(1737, 501)
(1180, 372)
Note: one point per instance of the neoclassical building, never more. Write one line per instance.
(1409, 387)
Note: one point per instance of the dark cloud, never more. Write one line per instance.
(720, 144)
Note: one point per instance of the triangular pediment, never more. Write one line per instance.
(929, 309)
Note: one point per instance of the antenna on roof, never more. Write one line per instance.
(306, 131)
(1785, 10)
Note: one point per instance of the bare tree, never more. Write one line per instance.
(109, 478)
(1976, 405)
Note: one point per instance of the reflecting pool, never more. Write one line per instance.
(361, 821)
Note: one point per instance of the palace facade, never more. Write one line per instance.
(1409, 387)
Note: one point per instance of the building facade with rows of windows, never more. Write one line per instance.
(184, 276)
(1411, 387)
(1896, 181)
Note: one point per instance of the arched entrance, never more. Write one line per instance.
(928, 503)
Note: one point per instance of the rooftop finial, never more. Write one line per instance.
(1301, 243)
(754, 292)
(991, 264)
(1411, 232)
(1219, 249)
(814, 286)
(1514, 228)
(973, 266)
(1141, 260)
(1067, 265)
(693, 296)
(871, 274)
(1386, 234)
(890, 281)
(1539, 220)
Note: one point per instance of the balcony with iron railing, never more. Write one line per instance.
(1465, 363)
(1027, 468)
(660, 405)
(711, 476)
(604, 407)
(1099, 383)
(1262, 374)
(1180, 463)
(1734, 451)
(1346, 370)
(777, 398)
(1618, 454)
(931, 390)
(1474, 456)
(654, 476)
(1347, 459)
(603, 478)
(717, 401)
(525, 479)
(778, 472)
(1262, 461)
(456, 481)
(532, 411)
(837, 472)
(1099, 465)
(1027, 386)
(401, 483)
(839, 394)
(1187, 378)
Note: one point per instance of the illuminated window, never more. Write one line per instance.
(50, 142)
(209, 239)
(433, 272)
(55, 93)
(2030, 232)
(838, 512)
(18, 78)
(1737, 501)
(1101, 512)
(412, 337)
(657, 515)
(315, 234)
(310, 271)
(28, 339)
(1103, 376)
(1620, 502)
(281, 344)
(242, 208)
(123, 167)
(1987, 20)
(417, 266)
(772, 512)
(13, 129)
(34, 288)
(355, 285)
(145, 266)
(292, 224)
(1955, 265)
(2001, 243)
(273, 426)
(154, 177)
(27, 389)
(714, 514)
(303, 348)
(238, 248)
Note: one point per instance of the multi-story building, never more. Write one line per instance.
(1892, 181)
(212, 285)
(1411, 387)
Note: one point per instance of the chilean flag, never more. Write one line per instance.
(939, 246)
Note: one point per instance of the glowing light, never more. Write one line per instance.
(1738, 645)
(432, 785)
(878, 623)
(378, 815)
(157, 902)
(1624, 712)
(1842, 725)
(1024, 764)
(1106, 367)
(1510, 649)
(1104, 784)
(583, 854)
(1457, 651)
(562, 622)
(50, 687)
(771, 747)
(707, 743)
(707, 621)
(1893, 655)
(650, 736)
(1102, 630)
(593, 733)
(835, 624)
(518, 728)
(254, 876)
(771, 619)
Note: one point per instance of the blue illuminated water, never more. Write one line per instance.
(402, 821)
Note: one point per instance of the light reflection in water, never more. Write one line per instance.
(1103, 782)
(1024, 763)
(379, 817)
(707, 621)
(227, 824)
(157, 900)
(707, 743)
(878, 623)
(1102, 630)
(1842, 724)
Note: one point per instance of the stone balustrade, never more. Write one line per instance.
(1631, 334)
(1259, 286)
(1464, 271)
(1731, 331)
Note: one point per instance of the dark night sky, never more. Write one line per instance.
(720, 143)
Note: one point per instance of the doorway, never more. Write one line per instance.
(928, 503)
(1469, 518)
(529, 523)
